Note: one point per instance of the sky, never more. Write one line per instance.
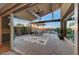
(56, 15)
(20, 21)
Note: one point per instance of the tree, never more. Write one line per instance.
(58, 30)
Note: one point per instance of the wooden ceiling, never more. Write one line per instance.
(66, 10)
(22, 9)
(2, 5)
(6, 7)
(46, 7)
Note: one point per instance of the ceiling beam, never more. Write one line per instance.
(56, 20)
(70, 9)
(13, 9)
(50, 4)
(25, 7)
(56, 6)
(35, 15)
(18, 8)
(7, 7)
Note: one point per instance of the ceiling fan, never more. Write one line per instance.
(38, 12)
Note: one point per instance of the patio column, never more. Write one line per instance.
(62, 30)
(76, 31)
(0, 31)
(77, 24)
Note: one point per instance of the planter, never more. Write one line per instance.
(60, 37)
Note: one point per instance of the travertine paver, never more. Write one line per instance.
(54, 46)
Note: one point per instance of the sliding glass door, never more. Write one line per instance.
(70, 28)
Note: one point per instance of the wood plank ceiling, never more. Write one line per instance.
(30, 15)
(2, 4)
(66, 9)
(21, 9)
(12, 7)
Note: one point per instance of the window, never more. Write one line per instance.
(70, 28)
(55, 16)
(20, 21)
(52, 25)
(21, 26)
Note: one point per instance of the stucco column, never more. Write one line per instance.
(76, 31)
(0, 31)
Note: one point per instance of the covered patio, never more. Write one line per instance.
(30, 34)
(51, 45)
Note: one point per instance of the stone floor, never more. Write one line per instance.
(54, 46)
(9, 53)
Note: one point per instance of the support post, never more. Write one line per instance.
(76, 31)
(61, 34)
(0, 30)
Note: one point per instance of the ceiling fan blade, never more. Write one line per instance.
(33, 13)
(33, 10)
(42, 11)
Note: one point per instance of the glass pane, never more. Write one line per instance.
(47, 17)
(36, 20)
(70, 29)
(20, 21)
(56, 14)
(21, 26)
(52, 25)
